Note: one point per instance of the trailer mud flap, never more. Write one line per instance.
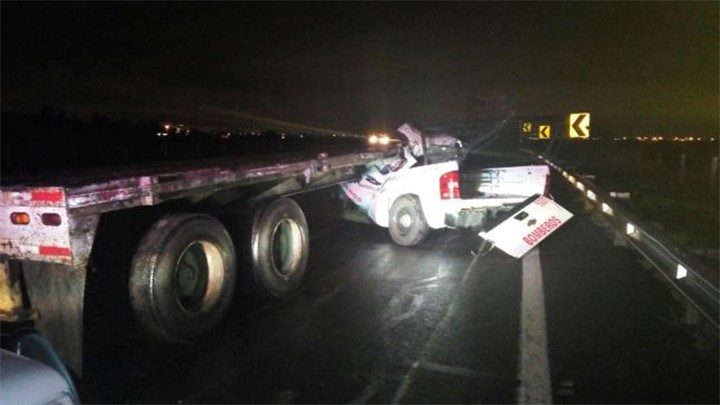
(527, 225)
(57, 291)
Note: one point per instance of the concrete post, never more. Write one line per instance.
(683, 160)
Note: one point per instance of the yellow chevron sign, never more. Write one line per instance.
(544, 132)
(527, 127)
(579, 125)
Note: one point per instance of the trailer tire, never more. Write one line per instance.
(183, 276)
(280, 248)
(407, 225)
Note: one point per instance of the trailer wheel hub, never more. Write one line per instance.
(287, 248)
(199, 276)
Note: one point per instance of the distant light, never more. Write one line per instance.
(630, 229)
(591, 195)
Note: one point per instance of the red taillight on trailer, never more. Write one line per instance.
(51, 219)
(20, 218)
(450, 185)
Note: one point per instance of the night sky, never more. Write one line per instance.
(638, 67)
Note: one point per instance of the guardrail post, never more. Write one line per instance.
(691, 316)
(683, 160)
(620, 239)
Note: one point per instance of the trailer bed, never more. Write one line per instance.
(62, 209)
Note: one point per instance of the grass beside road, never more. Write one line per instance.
(677, 194)
(690, 224)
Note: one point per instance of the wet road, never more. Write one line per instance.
(578, 320)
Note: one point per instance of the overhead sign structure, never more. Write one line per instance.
(544, 132)
(579, 125)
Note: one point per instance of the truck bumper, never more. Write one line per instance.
(467, 218)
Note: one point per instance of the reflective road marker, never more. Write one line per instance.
(534, 367)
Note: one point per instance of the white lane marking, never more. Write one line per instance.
(534, 367)
(454, 371)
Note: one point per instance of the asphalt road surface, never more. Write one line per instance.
(577, 320)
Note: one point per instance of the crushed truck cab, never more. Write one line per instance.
(424, 188)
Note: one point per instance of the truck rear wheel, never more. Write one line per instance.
(183, 276)
(280, 248)
(407, 223)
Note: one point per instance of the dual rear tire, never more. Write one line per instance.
(183, 276)
(280, 249)
(185, 270)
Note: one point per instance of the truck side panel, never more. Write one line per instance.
(422, 181)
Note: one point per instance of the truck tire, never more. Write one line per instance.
(183, 276)
(407, 225)
(280, 248)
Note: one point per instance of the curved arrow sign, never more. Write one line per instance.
(579, 125)
(544, 132)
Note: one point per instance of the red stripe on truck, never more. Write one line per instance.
(46, 196)
(54, 251)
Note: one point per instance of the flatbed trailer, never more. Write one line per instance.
(184, 268)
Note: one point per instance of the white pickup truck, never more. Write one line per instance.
(423, 188)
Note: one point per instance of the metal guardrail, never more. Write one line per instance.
(684, 272)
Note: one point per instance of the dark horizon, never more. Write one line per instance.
(639, 68)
